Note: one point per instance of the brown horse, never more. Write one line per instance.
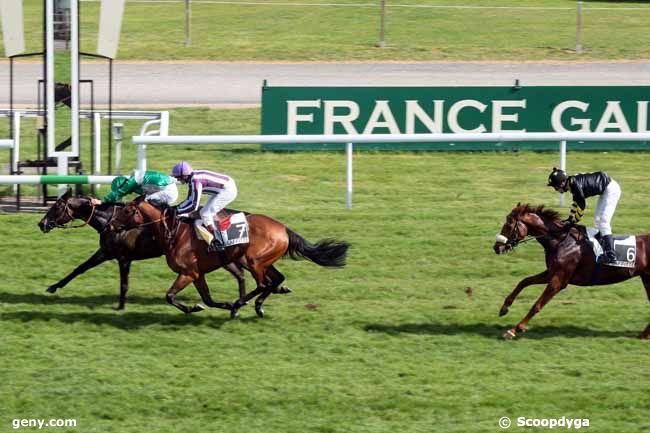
(269, 240)
(137, 244)
(569, 259)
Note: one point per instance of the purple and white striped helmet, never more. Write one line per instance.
(183, 168)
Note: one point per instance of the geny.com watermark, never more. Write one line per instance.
(564, 422)
(40, 423)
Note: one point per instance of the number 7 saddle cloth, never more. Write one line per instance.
(233, 227)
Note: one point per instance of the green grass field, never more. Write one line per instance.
(343, 30)
(394, 344)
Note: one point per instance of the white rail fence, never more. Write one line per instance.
(561, 137)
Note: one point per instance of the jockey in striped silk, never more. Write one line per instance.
(221, 188)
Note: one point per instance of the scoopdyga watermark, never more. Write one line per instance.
(550, 423)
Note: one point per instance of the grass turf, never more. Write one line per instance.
(428, 31)
(391, 343)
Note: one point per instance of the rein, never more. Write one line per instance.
(70, 213)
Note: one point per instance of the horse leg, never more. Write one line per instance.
(275, 278)
(203, 289)
(236, 269)
(96, 259)
(540, 278)
(646, 283)
(180, 283)
(277, 289)
(552, 289)
(125, 268)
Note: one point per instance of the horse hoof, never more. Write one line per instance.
(234, 313)
(283, 290)
(503, 311)
(260, 311)
(51, 289)
(509, 334)
(197, 308)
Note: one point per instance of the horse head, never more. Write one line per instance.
(126, 218)
(65, 209)
(134, 214)
(522, 221)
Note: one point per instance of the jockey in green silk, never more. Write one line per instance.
(157, 187)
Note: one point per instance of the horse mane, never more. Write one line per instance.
(106, 206)
(547, 214)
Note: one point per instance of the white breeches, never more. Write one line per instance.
(218, 202)
(606, 207)
(166, 195)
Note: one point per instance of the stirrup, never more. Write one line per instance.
(607, 259)
(216, 247)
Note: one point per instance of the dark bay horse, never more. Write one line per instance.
(569, 259)
(269, 240)
(137, 244)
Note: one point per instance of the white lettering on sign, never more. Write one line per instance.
(642, 116)
(452, 118)
(381, 111)
(463, 116)
(558, 111)
(499, 117)
(433, 123)
(613, 118)
(293, 117)
(331, 118)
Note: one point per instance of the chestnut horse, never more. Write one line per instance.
(137, 244)
(569, 259)
(269, 240)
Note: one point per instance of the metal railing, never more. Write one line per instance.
(349, 140)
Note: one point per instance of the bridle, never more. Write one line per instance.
(513, 239)
(70, 213)
(168, 231)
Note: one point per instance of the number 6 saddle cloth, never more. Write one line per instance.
(624, 248)
(233, 227)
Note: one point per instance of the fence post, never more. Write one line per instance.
(348, 152)
(579, 28)
(382, 22)
(15, 151)
(562, 165)
(97, 145)
(188, 23)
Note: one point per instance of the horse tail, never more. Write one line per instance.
(326, 252)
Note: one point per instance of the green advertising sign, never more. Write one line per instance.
(395, 110)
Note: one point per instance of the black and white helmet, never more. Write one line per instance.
(557, 178)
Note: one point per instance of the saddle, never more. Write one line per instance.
(624, 248)
(232, 225)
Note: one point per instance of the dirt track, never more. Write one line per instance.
(239, 84)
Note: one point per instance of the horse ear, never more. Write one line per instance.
(518, 203)
(66, 195)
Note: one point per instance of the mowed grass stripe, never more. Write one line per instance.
(391, 343)
(496, 30)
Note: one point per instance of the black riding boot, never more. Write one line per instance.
(217, 242)
(608, 249)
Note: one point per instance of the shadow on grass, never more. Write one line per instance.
(496, 331)
(126, 321)
(87, 301)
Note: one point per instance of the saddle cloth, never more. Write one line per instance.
(624, 248)
(234, 230)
